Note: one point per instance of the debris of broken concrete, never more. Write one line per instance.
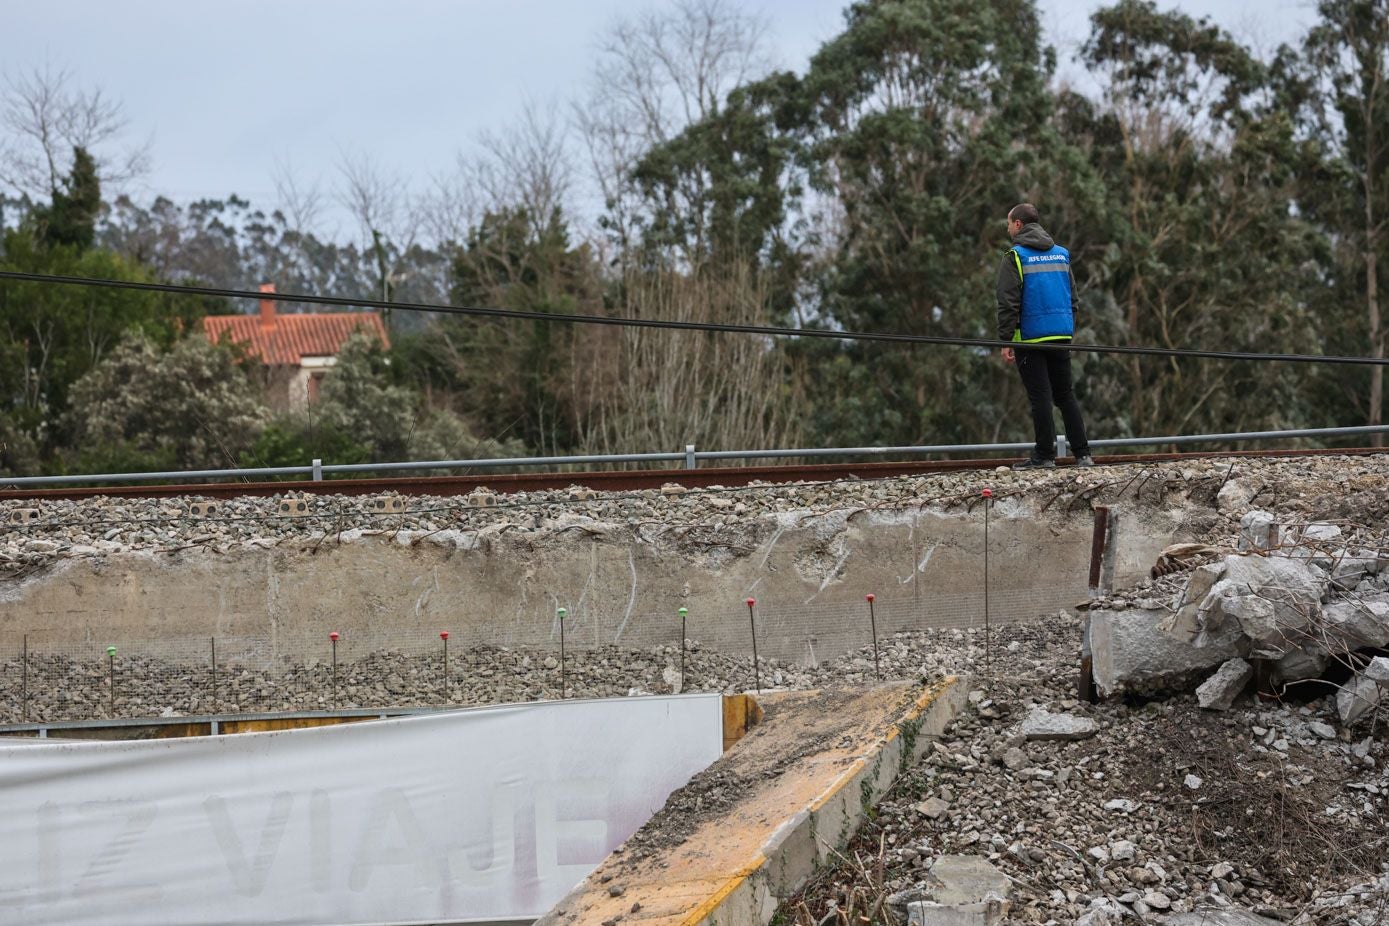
(1044, 725)
(1166, 814)
(1300, 599)
(1219, 691)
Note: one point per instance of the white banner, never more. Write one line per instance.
(468, 816)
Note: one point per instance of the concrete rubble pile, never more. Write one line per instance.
(1294, 601)
(1115, 812)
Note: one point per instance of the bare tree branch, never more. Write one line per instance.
(654, 75)
(302, 206)
(45, 118)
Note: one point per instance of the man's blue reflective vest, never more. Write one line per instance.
(1046, 294)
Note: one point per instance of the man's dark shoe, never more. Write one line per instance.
(1035, 463)
(1085, 460)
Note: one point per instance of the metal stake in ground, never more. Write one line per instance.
(111, 665)
(752, 625)
(444, 635)
(561, 613)
(334, 638)
(988, 503)
(24, 702)
(873, 623)
(683, 612)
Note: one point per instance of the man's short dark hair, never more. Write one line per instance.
(1026, 213)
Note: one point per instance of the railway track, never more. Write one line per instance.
(609, 481)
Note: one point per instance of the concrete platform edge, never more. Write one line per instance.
(813, 837)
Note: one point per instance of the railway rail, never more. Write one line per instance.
(612, 480)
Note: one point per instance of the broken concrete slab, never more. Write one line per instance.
(984, 913)
(1272, 599)
(1358, 622)
(1219, 691)
(1131, 651)
(1320, 532)
(1190, 621)
(966, 879)
(1309, 662)
(1041, 724)
(1358, 697)
(1351, 569)
(1378, 671)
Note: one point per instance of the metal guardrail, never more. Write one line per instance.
(690, 457)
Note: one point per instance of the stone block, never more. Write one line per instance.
(1308, 662)
(1193, 619)
(1358, 622)
(1258, 530)
(1320, 532)
(582, 494)
(293, 506)
(1044, 725)
(966, 879)
(387, 504)
(1358, 698)
(482, 500)
(1272, 599)
(1378, 671)
(672, 489)
(205, 509)
(1131, 651)
(24, 516)
(1219, 691)
(984, 913)
(1350, 570)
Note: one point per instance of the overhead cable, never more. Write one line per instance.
(665, 324)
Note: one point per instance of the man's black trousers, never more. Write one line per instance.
(1046, 375)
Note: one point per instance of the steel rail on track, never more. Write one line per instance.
(615, 481)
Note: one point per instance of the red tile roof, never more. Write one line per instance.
(287, 339)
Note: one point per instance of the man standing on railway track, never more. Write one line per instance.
(1036, 305)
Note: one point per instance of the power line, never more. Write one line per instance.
(622, 322)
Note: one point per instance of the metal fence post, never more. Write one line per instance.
(560, 615)
(333, 638)
(1062, 448)
(317, 470)
(111, 663)
(683, 612)
(752, 625)
(690, 461)
(444, 635)
(214, 676)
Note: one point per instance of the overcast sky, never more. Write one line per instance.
(226, 89)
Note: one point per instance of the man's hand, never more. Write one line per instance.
(1008, 355)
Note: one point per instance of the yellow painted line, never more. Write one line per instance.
(716, 900)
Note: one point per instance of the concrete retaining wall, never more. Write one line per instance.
(620, 584)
